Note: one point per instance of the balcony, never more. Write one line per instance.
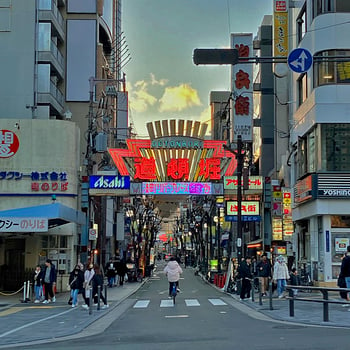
(54, 98)
(54, 57)
(48, 12)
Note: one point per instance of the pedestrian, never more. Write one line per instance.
(38, 283)
(345, 270)
(110, 273)
(294, 280)
(245, 274)
(97, 281)
(76, 280)
(49, 277)
(173, 271)
(87, 285)
(264, 273)
(121, 270)
(280, 275)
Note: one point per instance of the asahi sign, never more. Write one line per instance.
(109, 185)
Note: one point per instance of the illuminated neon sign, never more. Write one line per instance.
(170, 142)
(247, 208)
(195, 188)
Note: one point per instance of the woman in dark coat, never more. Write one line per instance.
(97, 281)
(76, 280)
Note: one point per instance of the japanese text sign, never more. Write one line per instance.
(247, 208)
(195, 188)
(254, 183)
(8, 143)
(23, 224)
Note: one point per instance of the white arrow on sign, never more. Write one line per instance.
(300, 61)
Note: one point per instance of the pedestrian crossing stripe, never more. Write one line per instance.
(217, 302)
(142, 304)
(192, 302)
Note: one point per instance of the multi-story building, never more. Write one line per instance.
(320, 148)
(57, 116)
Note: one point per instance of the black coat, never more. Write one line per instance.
(345, 266)
(78, 278)
(264, 268)
(244, 270)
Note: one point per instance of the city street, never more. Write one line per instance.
(203, 318)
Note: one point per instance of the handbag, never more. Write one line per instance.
(69, 285)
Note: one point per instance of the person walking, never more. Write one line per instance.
(121, 270)
(97, 281)
(245, 274)
(76, 280)
(173, 271)
(263, 268)
(110, 273)
(50, 277)
(345, 270)
(280, 275)
(38, 283)
(294, 280)
(88, 276)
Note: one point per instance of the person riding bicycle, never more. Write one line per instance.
(173, 271)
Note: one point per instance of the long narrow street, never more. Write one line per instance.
(203, 318)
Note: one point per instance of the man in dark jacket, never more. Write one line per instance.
(49, 277)
(245, 274)
(345, 269)
(264, 273)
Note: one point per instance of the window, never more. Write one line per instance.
(332, 67)
(327, 6)
(335, 152)
(301, 23)
(302, 89)
(307, 154)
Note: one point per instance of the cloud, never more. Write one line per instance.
(178, 98)
(154, 81)
(139, 97)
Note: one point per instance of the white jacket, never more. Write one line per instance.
(280, 271)
(173, 271)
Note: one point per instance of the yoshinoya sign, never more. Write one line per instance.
(333, 185)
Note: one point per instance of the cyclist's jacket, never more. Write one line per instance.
(173, 271)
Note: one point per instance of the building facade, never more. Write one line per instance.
(61, 63)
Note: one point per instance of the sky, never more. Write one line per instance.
(161, 35)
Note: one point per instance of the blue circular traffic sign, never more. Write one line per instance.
(300, 60)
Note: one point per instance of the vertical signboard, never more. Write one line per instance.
(280, 28)
(242, 85)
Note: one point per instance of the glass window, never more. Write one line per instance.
(44, 37)
(335, 147)
(343, 6)
(302, 89)
(301, 23)
(327, 6)
(332, 67)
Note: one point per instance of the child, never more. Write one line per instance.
(294, 280)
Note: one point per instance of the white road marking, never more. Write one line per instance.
(141, 304)
(177, 316)
(166, 303)
(32, 323)
(217, 302)
(192, 302)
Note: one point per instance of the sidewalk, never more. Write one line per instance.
(17, 318)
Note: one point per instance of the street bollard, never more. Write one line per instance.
(252, 288)
(270, 294)
(106, 294)
(260, 294)
(28, 291)
(24, 292)
(90, 299)
(98, 297)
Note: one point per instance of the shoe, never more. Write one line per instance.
(179, 290)
(105, 306)
(54, 299)
(46, 301)
(280, 296)
(73, 305)
(170, 297)
(85, 306)
(96, 304)
(240, 299)
(37, 301)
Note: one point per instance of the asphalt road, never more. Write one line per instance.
(203, 318)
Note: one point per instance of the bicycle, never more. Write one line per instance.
(173, 291)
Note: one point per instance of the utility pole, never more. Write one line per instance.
(239, 157)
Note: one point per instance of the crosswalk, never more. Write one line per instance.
(142, 304)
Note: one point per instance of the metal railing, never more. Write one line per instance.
(325, 298)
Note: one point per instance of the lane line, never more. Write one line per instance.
(177, 316)
(35, 322)
(166, 303)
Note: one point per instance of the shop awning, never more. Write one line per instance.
(255, 244)
(56, 213)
